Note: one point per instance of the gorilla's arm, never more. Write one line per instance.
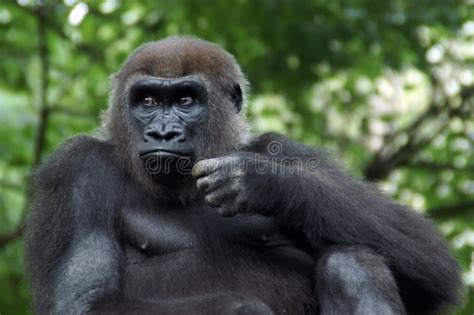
(309, 193)
(73, 254)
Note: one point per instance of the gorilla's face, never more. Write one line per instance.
(175, 101)
(167, 112)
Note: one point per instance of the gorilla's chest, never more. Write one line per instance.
(167, 231)
(191, 253)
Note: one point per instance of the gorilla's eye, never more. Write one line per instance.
(185, 101)
(149, 101)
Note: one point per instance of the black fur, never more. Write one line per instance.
(275, 227)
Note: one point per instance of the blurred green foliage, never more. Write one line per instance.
(387, 85)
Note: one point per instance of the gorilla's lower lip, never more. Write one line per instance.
(165, 153)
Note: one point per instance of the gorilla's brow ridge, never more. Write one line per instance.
(134, 78)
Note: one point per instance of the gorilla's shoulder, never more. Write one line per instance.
(81, 150)
(261, 141)
(270, 136)
(275, 138)
(275, 141)
(77, 155)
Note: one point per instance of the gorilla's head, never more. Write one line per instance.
(175, 101)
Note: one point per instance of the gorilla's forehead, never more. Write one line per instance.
(178, 57)
(138, 76)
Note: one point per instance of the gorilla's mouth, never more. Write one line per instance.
(164, 153)
(159, 161)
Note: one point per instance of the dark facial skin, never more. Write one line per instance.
(166, 111)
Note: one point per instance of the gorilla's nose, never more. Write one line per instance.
(164, 133)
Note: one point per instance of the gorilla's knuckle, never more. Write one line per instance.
(212, 199)
(239, 172)
(198, 169)
(202, 184)
(236, 186)
(234, 158)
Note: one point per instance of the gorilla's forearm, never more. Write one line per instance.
(323, 202)
(215, 303)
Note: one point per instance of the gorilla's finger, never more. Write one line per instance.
(213, 200)
(223, 194)
(211, 182)
(227, 210)
(231, 206)
(206, 167)
(209, 166)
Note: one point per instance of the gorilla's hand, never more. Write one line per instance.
(231, 183)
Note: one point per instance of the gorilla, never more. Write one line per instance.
(176, 209)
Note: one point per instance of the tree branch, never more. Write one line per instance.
(43, 117)
(92, 51)
(44, 82)
(435, 166)
(461, 209)
(10, 185)
(72, 112)
(13, 235)
(389, 158)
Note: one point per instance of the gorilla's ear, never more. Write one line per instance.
(236, 96)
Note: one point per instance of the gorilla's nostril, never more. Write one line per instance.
(170, 135)
(163, 134)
